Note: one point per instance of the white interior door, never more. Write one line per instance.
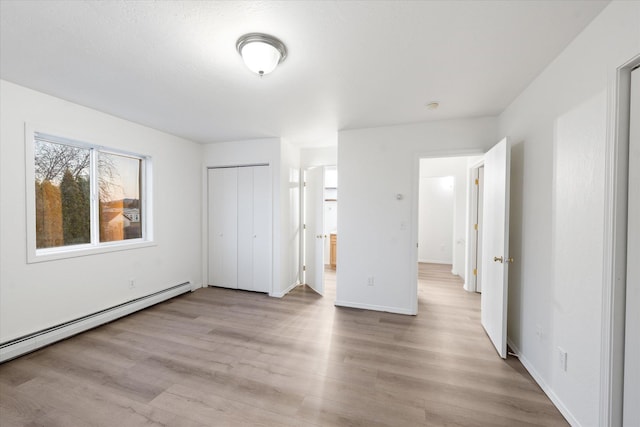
(314, 229)
(495, 245)
(223, 224)
(631, 409)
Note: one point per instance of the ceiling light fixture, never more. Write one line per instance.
(433, 105)
(261, 52)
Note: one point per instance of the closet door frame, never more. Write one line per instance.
(266, 235)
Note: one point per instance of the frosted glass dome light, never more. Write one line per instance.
(261, 52)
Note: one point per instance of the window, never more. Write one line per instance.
(86, 198)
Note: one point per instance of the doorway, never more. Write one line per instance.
(444, 212)
(494, 256)
(475, 228)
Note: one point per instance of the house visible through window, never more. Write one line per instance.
(119, 197)
(86, 195)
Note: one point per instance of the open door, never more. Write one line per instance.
(495, 245)
(314, 229)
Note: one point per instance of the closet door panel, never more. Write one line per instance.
(261, 220)
(223, 240)
(245, 228)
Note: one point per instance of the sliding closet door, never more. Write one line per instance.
(261, 229)
(223, 226)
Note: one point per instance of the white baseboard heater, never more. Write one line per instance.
(28, 343)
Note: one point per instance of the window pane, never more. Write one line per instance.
(119, 193)
(63, 213)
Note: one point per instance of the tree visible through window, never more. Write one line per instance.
(65, 176)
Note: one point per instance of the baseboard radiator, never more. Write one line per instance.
(28, 343)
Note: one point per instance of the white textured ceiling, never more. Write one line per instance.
(172, 65)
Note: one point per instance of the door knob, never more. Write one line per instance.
(497, 259)
(510, 260)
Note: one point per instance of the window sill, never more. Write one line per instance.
(53, 254)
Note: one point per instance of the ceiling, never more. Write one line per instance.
(172, 65)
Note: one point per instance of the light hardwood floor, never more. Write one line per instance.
(219, 357)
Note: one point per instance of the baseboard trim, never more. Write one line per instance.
(31, 342)
(544, 386)
(431, 261)
(280, 294)
(396, 310)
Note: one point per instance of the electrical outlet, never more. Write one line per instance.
(370, 281)
(562, 358)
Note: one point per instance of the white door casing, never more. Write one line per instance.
(480, 228)
(631, 409)
(495, 245)
(314, 229)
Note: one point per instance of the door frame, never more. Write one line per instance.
(205, 219)
(615, 250)
(472, 242)
(412, 260)
(303, 234)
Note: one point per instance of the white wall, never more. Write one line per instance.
(319, 156)
(558, 128)
(436, 219)
(40, 295)
(378, 233)
(284, 162)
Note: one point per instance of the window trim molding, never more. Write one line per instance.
(35, 255)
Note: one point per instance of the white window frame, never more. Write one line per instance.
(34, 254)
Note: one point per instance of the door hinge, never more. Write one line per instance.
(304, 226)
(305, 184)
(475, 227)
(475, 271)
(304, 268)
(477, 182)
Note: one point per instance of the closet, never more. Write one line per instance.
(239, 227)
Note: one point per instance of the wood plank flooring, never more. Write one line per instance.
(217, 357)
